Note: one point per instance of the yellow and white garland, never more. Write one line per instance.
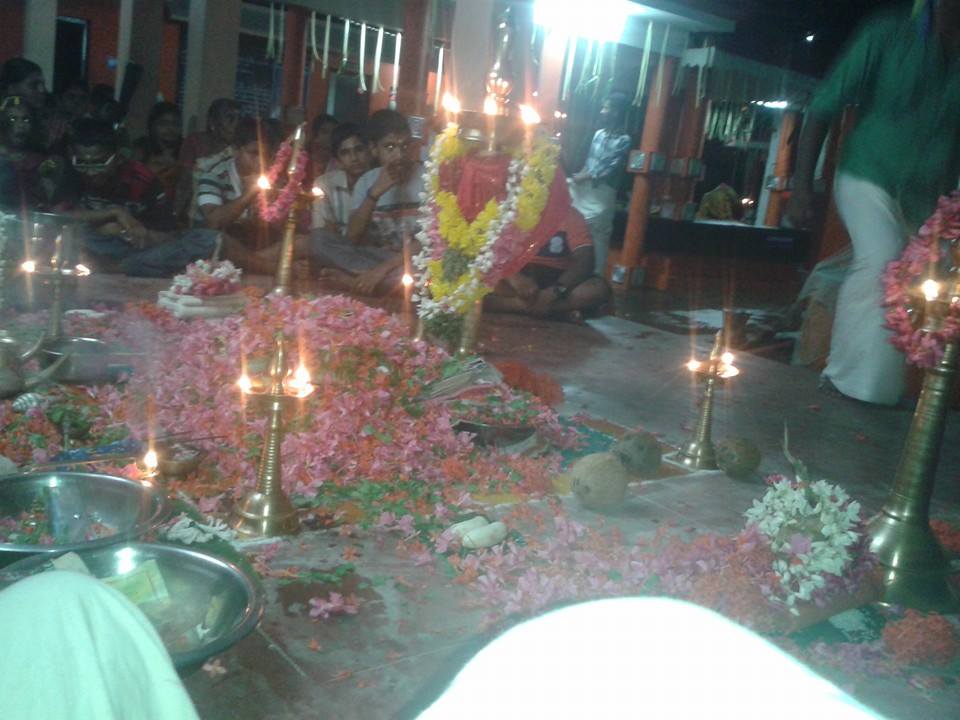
(442, 223)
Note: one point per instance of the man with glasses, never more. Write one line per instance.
(124, 207)
(385, 203)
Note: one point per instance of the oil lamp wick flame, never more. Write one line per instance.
(407, 280)
(263, 183)
(490, 106)
(930, 289)
(529, 116)
(29, 266)
(450, 104)
(245, 384)
(150, 461)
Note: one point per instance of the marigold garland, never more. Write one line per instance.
(922, 347)
(448, 240)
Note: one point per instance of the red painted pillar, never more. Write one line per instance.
(643, 184)
(294, 57)
(415, 54)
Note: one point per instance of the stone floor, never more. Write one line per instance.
(414, 620)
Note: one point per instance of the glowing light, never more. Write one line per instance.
(747, 201)
(299, 383)
(263, 183)
(810, 37)
(490, 106)
(125, 563)
(606, 22)
(693, 365)
(930, 289)
(557, 114)
(772, 104)
(29, 266)
(729, 371)
(82, 270)
(450, 104)
(407, 280)
(529, 116)
(317, 191)
(245, 384)
(727, 358)
(150, 462)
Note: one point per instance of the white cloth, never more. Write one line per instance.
(75, 649)
(397, 214)
(862, 363)
(597, 203)
(335, 205)
(638, 658)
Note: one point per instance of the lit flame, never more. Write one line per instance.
(529, 116)
(82, 270)
(245, 384)
(29, 266)
(150, 462)
(450, 104)
(693, 365)
(317, 192)
(727, 358)
(299, 383)
(407, 280)
(931, 289)
(490, 106)
(729, 371)
(263, 183)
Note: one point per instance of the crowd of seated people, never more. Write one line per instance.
(151, 206)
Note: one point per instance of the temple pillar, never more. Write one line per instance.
(40, 35)
(651, 141)
(470, 51)
(140, 40)
(294, 57)
(415, 54)
(212, 41)
(782, 169)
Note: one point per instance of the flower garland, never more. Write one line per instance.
(278, 209)
(922, 347)
(457, 255)
(206, 278)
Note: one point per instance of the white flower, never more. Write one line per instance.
(189, 531)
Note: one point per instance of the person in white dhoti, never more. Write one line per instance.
(594, 189)
(75, 648)
(903, 72)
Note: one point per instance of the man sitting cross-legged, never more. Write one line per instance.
(385, 204)
(128, 222)
(559, 281)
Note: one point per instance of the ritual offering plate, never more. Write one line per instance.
(177, 460)
(90, 360)
(47, 513)
(200, 605)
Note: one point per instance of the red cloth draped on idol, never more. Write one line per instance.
(496, 224)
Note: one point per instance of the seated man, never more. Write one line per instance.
(124, 207)
(559, 281)
(331, 213)
(384, 216)
(227, 195)
(36, 177)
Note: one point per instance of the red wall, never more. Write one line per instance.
(103, 19)
(11, 29)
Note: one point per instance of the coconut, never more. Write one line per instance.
(640, 452)
(599, 481)
(738, 457)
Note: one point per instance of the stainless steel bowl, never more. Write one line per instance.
(201, 591)
(90, 361)
(76, 510)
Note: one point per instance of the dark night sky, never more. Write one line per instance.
(773, 30)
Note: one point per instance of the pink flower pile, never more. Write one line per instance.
(923, 348)
(365, 420)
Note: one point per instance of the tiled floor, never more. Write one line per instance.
(414, 620)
